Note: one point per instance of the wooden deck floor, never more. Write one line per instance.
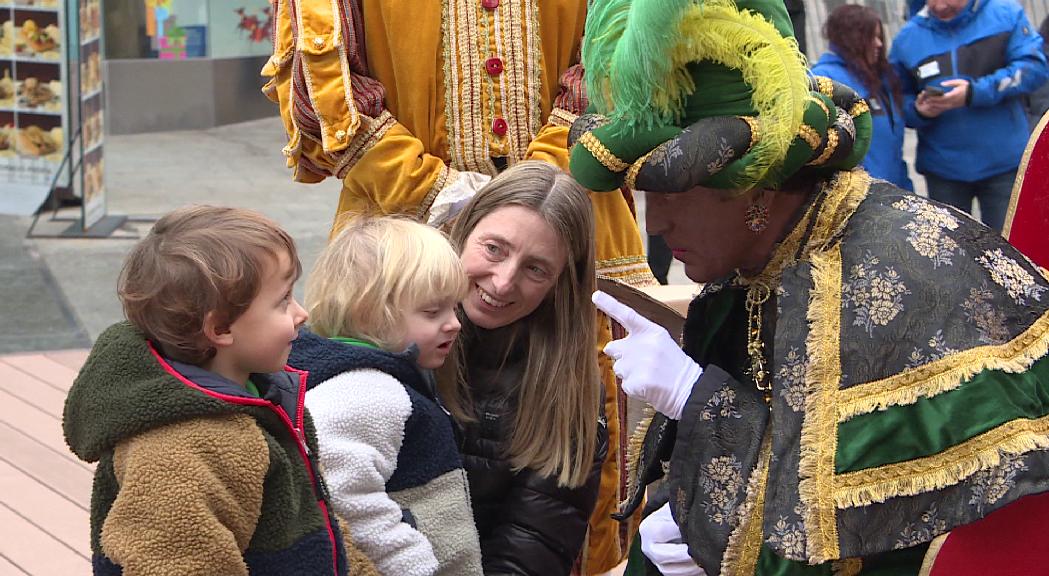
(45, 491)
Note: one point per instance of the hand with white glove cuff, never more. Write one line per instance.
(661, 543)
(650, 363)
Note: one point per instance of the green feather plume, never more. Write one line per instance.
(625, 53)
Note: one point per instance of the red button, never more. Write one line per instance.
(490, 4)
(494, 66)
(499, 127)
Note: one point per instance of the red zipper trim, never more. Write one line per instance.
(297, 432)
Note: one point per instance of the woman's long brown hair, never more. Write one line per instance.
(850, 29)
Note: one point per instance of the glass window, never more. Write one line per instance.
(183, 29)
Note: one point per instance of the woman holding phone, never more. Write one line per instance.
(857, 58)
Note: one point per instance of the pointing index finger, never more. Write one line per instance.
(625, 315)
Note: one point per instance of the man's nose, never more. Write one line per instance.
(656, 222)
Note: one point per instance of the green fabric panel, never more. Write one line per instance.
(720, 91)
(715, 312)
(905, 562)
(770, 564)
(932, 425)
(252, 389)
(635, 565)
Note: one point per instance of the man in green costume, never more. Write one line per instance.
(864, 371)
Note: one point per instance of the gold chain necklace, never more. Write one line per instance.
(823, 219)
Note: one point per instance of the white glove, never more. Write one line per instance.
(661, 543)
(648, 361)
(453, 197)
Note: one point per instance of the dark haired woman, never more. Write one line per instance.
(857, 59)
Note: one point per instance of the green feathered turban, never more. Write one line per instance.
(712, 93)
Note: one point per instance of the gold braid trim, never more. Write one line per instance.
(832, 145)
(444, 177)
(845, 191)
(635, 168)
(859, 108)
(755, 129)
(633, 452)
(744, 543)
(947, 373)
(810, 136)
(819, 436)
(822, 104)
(947, 468)
(562, 117)
(847, 567)
(601, 153)
(826, 86)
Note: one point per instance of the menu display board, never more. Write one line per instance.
(33, 75)
(91, 113)
(51, 92)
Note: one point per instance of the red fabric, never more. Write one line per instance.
(1009, 541)
(1030, 227)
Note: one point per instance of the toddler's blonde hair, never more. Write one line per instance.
(375, 271)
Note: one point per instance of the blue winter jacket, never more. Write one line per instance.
(991, 44)
(885, 158)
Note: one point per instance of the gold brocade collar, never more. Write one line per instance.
(823, 220)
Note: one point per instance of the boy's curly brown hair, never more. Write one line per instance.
(197, 260)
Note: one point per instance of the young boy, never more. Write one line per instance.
(382, 299)
(204, 448)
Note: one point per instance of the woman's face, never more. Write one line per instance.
(705, 230)
(512, 258)
(875, 47)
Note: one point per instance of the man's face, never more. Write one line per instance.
(704, 228)
(946, 9)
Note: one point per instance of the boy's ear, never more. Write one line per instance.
(216, 330)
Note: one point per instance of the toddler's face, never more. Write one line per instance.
(433, 327)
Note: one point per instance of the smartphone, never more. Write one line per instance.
(931, 90)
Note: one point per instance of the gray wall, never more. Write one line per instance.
(159, 95)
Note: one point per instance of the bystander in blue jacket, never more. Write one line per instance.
(964, 65)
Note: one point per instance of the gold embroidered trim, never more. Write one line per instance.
(613, 270)
(371, 131)
(755, 129)
(930, 555)
(845, 192)
(633, 450)
(947, 468)
(823, 105)
(445, 176)
(562, 117)
(819, 436)
(744, 543)
(947, 373)
(809, 135)
(847, 567)
(631, 174)
(637, 280)
(832, 145)
(859, 108)
(620, 261)
(826, 86)
(518, 45)
(463, 85)
(601, 153)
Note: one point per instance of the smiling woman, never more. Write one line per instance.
(525, 387)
